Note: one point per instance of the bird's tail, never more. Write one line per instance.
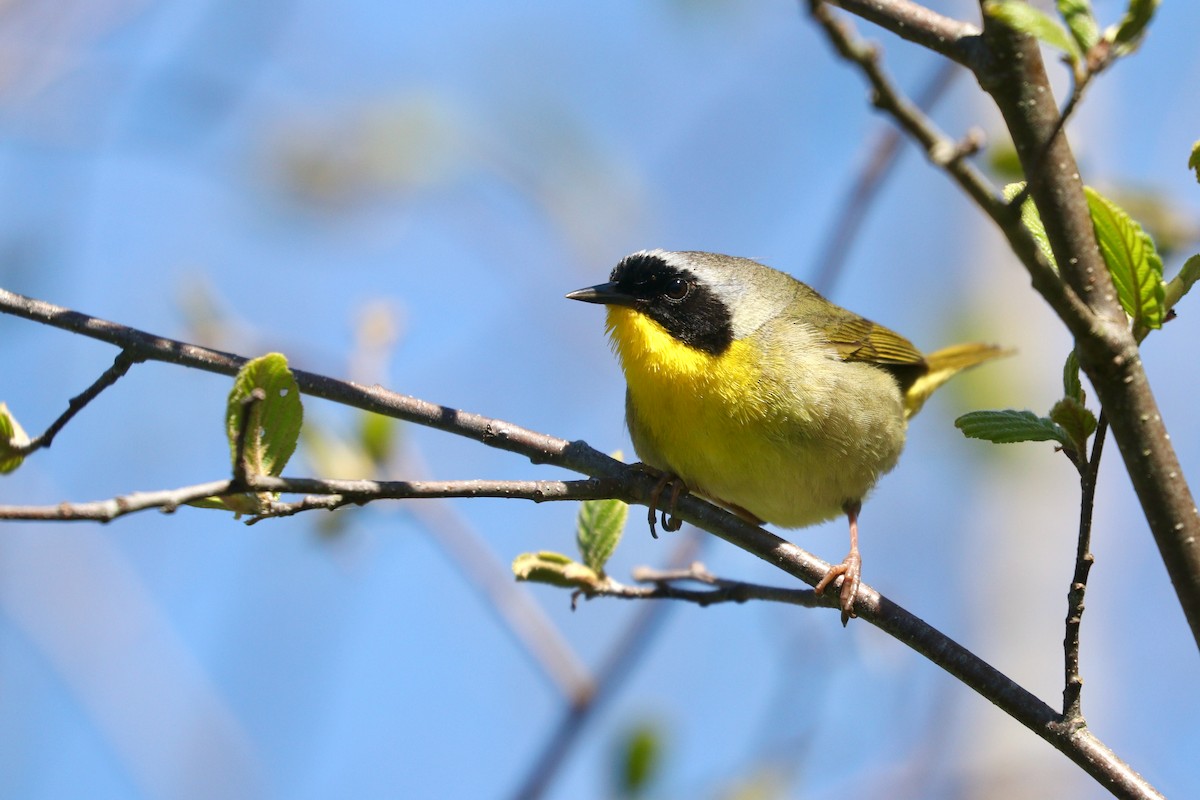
(944, 365)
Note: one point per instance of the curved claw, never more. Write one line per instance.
(670, 523)
(850, 571)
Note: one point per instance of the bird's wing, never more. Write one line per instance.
(858, 339)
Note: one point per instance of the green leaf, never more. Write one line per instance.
(1194, 160)
(12, 437)
(1024, 18)
(1080, 22)
(1128, 251)
(555, 569)
(1032, 220)
(273, 423)
(639, 760)
(1078, 422)
(598, 530)
(1011, 426)
(1072, 385)
(1127, 34)
(1132, 260)
(1189, 273)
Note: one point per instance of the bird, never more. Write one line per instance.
(747, 387)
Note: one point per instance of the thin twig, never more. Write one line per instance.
(124, 360)
(1073, 684)
(947, 154)
(723, 591)
(327, 494)
(167, 500)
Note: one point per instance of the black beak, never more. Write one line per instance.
(605, 293)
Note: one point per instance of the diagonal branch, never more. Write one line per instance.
(956, 40)
(949, 156)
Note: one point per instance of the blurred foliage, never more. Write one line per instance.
(638, 760)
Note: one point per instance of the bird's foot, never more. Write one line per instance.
(850, 571)
(670, 522)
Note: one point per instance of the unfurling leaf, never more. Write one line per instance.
(1024, 18)
(555, 569)
(12, 438)
(1011, 426)
(1072, 385)
(598, 530)
(1078, 422)
(1194, 160)
(1080, 21)
(273, 423)
(1127, 34)
(1032, 220)
(1178, 286)
(1132, 260)
(1128, 252)
(272, 427)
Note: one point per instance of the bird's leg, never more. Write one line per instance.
(850, 569)
(678, 487)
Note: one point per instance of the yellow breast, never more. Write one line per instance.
(734, 433)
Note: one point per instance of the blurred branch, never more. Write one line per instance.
(884, 155)
(622, 658)
(632, 485)
(510, 601)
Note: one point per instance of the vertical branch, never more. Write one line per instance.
(1073, 685)
(1015, 77)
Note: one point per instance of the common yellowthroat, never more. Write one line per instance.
(761, 395)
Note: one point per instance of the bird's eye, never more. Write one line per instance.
(677, 289)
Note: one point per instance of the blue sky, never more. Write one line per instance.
(265, 177)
